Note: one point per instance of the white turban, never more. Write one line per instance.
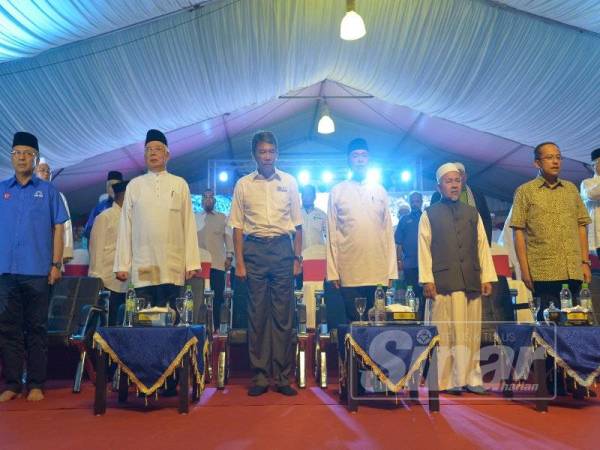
(460, 166)
(444, 169)
(43, 161)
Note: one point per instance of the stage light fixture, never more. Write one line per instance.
(304, 177)
(327, 177)
(405, 176)
(374, 175)
(223, 176)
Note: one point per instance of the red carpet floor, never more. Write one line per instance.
(313, 419)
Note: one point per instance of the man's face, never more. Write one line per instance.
(156, 156)
(550, 160)
(109, 187)
(23, 159)
(450, 185)
(43, 171)
(265, 155)
(208, 201)
(308, 197)
(358, 160)
(416, 202)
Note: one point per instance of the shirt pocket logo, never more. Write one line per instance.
(38, 194)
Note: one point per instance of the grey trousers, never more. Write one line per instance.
(270, 277)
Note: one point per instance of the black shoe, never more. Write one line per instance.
(479, 390)
(287, 390)
(255, 391)
(453, 391)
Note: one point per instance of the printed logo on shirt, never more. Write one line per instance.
(281, 189)
(38, 194)
(7, 196)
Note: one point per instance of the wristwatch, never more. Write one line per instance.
(58, 265)
(298, 258)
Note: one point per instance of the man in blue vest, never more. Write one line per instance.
(31, 252)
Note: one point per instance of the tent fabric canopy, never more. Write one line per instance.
(473, 64)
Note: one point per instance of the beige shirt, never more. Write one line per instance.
(102, 248)
(215, 236)
(488, 271)
(551, 217)
(157, 240)
(314, 227)
(590, 193)
(360, 241)
(68, 232)
(266, 207)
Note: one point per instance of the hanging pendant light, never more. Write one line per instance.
(326, 124)
(352, 26)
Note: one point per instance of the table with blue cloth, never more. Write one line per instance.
(147, 356)
(574, 349)
(394, 354)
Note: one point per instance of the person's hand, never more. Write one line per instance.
(336, 283)
(526, 277)
(486, 289)
(587, 273)
(240, 270)
(189, 274)
(429, 290)
(54, 275)
(228, 261)
(122, 276)
(297, 267)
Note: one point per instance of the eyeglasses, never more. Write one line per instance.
(551, 158)
(18, 153)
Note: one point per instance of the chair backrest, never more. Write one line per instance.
(61, 307)
(498, 307)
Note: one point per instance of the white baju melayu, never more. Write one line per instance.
(102, 247)
(157, 240)
(68, 232)
(458, 318)
(215, 236)
(314, 227)
(360, 242)
(590, 193)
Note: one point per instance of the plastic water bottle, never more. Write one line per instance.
(566, 299)
(410, 299)
(390, 294)
(585, 297)
(188, 306)
(130, 301)
(379, 304)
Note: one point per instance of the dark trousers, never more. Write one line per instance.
(350, 293)
(24, 329)
(411, 278)
(270, 278)
(549, 291)
(115, 301)
(217, 284)
(160, 294)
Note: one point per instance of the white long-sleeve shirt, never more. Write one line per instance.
(314, 227)
(68, 232)
(360, 241)
(215, 236)
(488, 271)
(590, 193)
(102, 248)
(157, 240)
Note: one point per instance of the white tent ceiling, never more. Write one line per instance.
(474, 80)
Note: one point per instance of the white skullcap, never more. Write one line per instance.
(460, 166)
(43, 161)
(444, 169)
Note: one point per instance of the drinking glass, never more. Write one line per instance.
(534, 307)
(360, 303)
(180, 305)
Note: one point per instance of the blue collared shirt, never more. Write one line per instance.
(407, 235)
(28, 215)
